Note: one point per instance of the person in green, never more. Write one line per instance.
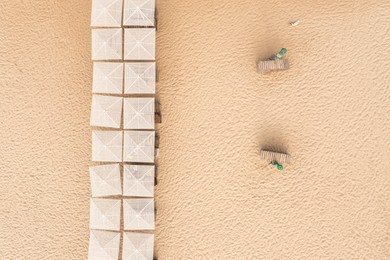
(278, 165)
(280, 54)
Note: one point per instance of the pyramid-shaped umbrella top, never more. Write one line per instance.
(105, 180)
(105, 214)
(138, 214)
(138, 113)
(107, 146)
(140, 78)
(140, 44)
(137, 246)
(106, 44)
(103, 245)
(106, 13)
(138, 146)
(106, 111)
(138, 180)
(107, 77)
(139, 12)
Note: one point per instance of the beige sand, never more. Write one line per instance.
(215, 199)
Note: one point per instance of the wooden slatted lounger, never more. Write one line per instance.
(157, 113)
(275, 156)
(272, 65)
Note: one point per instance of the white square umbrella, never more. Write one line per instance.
(107, 146)
(105, 214)
(106, 44)
(105, 180)
(140, 78)
(140, 44)
(138, 113)
(106, 111)
(138, 146)
(139, 12)
(107, 77)
(106, 13)
(138, 214)
(137, 246)
(103, 245)
(138, 180)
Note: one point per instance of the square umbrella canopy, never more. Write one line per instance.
(105, 180)
(138, 180)
(107, 77)
(139, 12)
(106, 111)
(137, 246)
(106, 13)
(103, 245)
(138, 214)
(138, 146)
(106, 44)
(140, 44)
(105, 214)
(138, 113)
(140, 78)
(107, 146)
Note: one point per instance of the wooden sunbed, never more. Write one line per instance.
(272, 65)
(275, 156)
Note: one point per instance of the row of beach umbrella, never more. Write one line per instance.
(138, 44)
(138, 113)
(123, 146)
(138, 214)
(123, 110)
(124, 78)
(109, 13)
(138, 180)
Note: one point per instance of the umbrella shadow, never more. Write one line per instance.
(274, 141)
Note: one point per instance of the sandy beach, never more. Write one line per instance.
(216, 199)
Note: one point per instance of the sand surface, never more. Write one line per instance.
(215, 198)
